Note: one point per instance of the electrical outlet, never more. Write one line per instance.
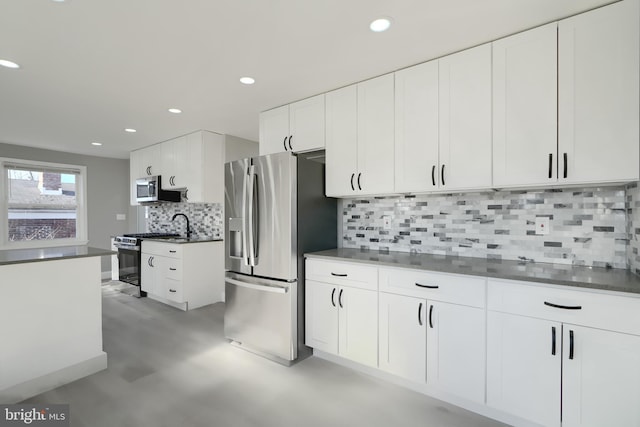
(121, 217)
(386, 222)
(542, 225)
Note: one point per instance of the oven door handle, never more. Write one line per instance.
(127, 247)
(263, 288)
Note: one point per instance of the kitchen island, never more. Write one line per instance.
(51, 317)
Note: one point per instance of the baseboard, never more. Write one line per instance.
(478, 408)
(179, 305)
(106, 275)
(27, 389)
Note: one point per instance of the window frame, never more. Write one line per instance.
(81, 206)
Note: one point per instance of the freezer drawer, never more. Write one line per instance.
(261, 315)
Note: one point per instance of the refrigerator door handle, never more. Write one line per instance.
(245, 220)
(253, 218)
(264, 288)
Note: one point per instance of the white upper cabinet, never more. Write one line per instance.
(360, 138)
(175, 166)
(146, 162)
(376, 135)
(307, 124)
(193, 163)
(274, 130)
(443, 123)
(598, 95)
(342, 149)
(416, 128)
(525, 108)
(465, 119)
(295, 127)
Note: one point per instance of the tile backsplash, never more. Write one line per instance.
(633, 227)
(205, 219)
(588, 226)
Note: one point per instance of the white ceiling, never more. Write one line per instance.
(90, 68)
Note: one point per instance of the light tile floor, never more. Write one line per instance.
(173, 368)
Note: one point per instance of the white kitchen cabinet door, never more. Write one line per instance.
(358, 325)
(416, 128)
(523, 373)
(465, 119)
(525, 108)
(598, 95)
(307, 124)
(403, 336)
(151, 277)
(175, 163)
(152, 160)
(456, 349)
(600, 378)
(376, 136)
(274, 130)
(135, 166)
(321, 316)
(341, 141)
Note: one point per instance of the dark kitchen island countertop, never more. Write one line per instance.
(607, 279)
(19, 256)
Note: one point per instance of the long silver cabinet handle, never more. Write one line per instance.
(264, 288)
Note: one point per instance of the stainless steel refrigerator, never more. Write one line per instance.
(275, 211)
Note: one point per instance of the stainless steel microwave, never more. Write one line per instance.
(149, 189)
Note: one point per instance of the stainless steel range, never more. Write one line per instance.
(130, 257)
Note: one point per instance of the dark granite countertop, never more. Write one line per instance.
(181, 240)
(613, 279)
(18, 256)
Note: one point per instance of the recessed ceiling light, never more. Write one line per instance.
(130, 130)
(93, 143)
(247, 80)
(175, 110)
(8, 64)
(380, 25)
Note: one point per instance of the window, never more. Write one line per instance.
(42, 204)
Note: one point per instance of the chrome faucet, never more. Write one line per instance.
(187, 218)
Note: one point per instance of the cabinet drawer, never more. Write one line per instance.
(163, 249)
(453, 288)
(174, 290)
(599, 310)
(342, 273)
(173, 269)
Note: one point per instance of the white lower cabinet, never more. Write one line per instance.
(456, 350)
(321, 311)
(339, 321)
(190, 275)
(523, 369)
(524, 353)
(403, 336)
(601, 379)
(563, 357)
(434, 342)
(432, 330)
